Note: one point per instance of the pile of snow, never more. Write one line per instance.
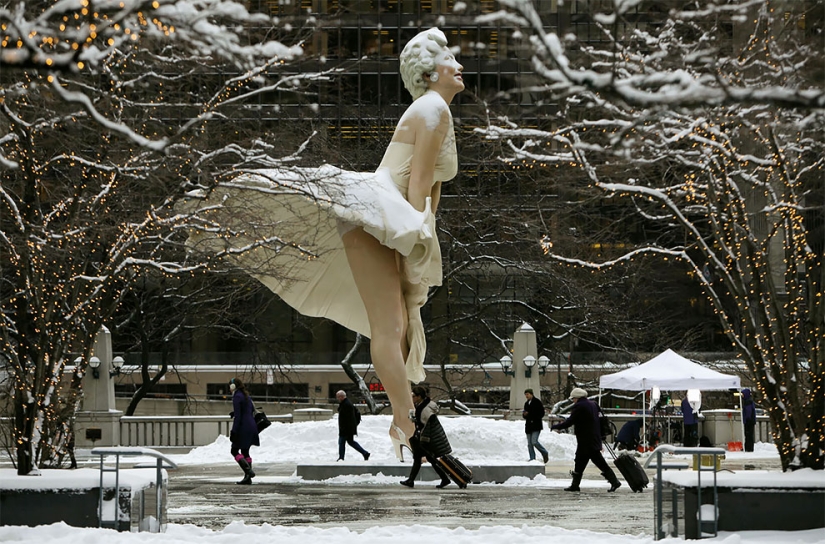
(60, 533)
(475, 440)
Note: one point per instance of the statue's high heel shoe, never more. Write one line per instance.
(400, 439)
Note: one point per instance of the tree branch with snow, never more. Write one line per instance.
(705, 126)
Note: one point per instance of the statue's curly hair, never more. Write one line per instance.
(418, 58)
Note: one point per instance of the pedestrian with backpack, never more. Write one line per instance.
(585, 417)
(348, 419)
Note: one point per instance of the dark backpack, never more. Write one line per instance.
(604, 425)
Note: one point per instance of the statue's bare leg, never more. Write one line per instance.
(377, 276)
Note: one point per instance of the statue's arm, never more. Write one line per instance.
(429, 137)
(436, 195)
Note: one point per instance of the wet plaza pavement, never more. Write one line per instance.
(359, 507)
(206, 495)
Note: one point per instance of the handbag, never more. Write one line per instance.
(262, 421)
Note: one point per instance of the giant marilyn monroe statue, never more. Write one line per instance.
(357, 248)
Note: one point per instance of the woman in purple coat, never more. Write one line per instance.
(244, 433)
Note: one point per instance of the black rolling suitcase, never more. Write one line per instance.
(631, 470)
(456, 470)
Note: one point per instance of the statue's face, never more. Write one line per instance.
(449, 72)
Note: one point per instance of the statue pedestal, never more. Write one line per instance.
(97, 429)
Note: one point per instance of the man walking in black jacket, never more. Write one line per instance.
(585, 417)
(533, 414)
(347, 427)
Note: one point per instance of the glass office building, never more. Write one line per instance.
(348, 117)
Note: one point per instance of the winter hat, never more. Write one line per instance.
(577, 393)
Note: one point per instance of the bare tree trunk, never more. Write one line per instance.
(147, 382)
(356, 378)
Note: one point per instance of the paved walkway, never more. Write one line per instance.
(206, 495)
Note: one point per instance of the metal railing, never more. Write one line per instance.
(660, 466)
(172, 431)
(131, 452)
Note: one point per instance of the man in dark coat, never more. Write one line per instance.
(628, 437)
(244, 433)
(748, 418)
(585, 417)
(691, 424)
(533, 413)
(347, 427)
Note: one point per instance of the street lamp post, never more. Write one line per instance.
(94, 364)
(529, 362)
(117, 364)
(97, 422)
(506, 365)
(523, 361)
(544, 362)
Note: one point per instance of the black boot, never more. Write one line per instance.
(574, 485)
(247, 472)
(444, 483)
(408, 483)
(614, 482)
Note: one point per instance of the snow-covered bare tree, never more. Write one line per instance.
(108, 110)
(496, 276)
(706, 119)
(162, 314)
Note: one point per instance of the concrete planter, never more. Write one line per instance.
(72, 496)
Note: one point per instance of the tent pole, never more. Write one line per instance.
(644, 415)
(742, 420)
(644, 420)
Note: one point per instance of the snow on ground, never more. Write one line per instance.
(60, 533)
(475, 440)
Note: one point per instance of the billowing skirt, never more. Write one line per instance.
(281, 226)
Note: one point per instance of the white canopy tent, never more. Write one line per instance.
(668, 371)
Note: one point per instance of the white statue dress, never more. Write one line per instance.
(282, 227)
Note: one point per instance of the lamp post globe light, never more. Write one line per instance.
(506, 364)
(94, 364)
(544, 362)
(529, 362)
(117, 364)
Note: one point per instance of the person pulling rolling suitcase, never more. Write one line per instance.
(456, 470)
(631, 470)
